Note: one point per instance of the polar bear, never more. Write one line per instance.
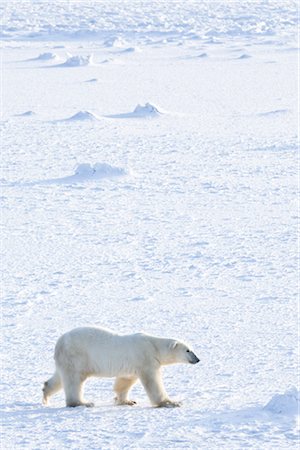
(89, 351)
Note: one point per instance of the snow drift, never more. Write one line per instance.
(86, 172)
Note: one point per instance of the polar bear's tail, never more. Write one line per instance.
(51, 386)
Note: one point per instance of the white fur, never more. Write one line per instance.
(89, 351)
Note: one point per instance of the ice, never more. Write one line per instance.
(129, 20)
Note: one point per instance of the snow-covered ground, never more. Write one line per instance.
(149, 183)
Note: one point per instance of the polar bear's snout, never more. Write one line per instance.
(193, 359)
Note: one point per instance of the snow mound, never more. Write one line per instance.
(107, 60)
(46, 56)
(131, 50)
(287, 403)
(273, 113)
(115, 42)
(203, 55)
(147, 110)
(244, 56)
(77, 61)
(99, 170)
(83, 116)
(140, 112)
(84, 173)
(26, 114)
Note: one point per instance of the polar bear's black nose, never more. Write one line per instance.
(194, 359)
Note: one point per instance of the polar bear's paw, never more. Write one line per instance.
(86, 404)
(124, 402)
(89, 404)
(168, 404)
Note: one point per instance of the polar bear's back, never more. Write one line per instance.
(83, 338)
(102, 352)
(98, 336)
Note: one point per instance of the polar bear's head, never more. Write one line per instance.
(183, 353)
(178, 352)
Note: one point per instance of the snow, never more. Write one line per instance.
(182, 226)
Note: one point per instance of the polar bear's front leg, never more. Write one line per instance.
(122, 387)
(51, 386)
(154, 387)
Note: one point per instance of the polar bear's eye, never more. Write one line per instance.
(188, 351)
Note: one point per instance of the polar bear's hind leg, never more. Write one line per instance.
(73, 387)
(122, 387)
